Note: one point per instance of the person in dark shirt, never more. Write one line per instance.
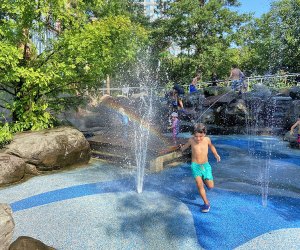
(179, 91)
(214, 79)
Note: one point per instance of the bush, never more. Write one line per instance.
(5, 134)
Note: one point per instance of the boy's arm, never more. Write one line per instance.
(242, 75)
(213, 150)
(294, 126)
(230, 75)
(185, 146)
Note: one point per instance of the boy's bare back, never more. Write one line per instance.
(235, 74)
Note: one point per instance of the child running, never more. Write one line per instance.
(200, 166)
(175, 126)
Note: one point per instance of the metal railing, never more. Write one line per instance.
(129, 91)
(271, 81)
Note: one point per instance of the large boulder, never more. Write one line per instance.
(12, 168)
(7, 226)
(261, 91)
(97, 115)
(51, 149)
(292, 139)
(295, 92)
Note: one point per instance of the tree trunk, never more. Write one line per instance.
(107, 85)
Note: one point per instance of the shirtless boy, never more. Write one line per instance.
(200, 166)
(236, 76)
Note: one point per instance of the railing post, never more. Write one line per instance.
(248, 83)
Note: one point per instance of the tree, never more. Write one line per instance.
(204, 32)
(272, 42)
(80, 47)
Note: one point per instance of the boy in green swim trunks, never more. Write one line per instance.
(200, 166)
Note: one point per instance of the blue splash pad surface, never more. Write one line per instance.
(260, 146)
(263, 148)
(234, 219)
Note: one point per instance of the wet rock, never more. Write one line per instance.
(295, 92)
(262, 91)
(292, 139)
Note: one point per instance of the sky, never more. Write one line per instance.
(259, 7)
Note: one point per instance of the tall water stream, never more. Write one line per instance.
(141, 138)
(144, 109)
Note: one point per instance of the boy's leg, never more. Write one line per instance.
(180, 103)
(208, 177)
(209, 183)
(201, 189)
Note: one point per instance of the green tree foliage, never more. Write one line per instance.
(272, 42)
(204, 32)
(84, 40)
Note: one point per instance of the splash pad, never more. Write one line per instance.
(107, 212)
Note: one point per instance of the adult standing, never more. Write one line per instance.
(214, 79)
(179, 93)
(236, 77)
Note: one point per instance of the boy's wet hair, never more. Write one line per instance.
(199, 128)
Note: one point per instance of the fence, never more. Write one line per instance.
(129, 91)
(271, 81)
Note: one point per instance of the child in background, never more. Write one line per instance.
(297, 123)
(178, 91)
(193, 85)
(124, 122)
(174, 126)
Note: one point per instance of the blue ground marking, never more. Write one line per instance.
(234, 219)
(122, 185)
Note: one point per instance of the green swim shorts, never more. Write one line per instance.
(202, 170)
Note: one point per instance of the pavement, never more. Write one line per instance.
(97, 207)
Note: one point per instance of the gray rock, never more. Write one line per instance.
(12, 168)
(7, 226)
(31, 169)
(295, 92)
(28, 243)
(52, 148)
